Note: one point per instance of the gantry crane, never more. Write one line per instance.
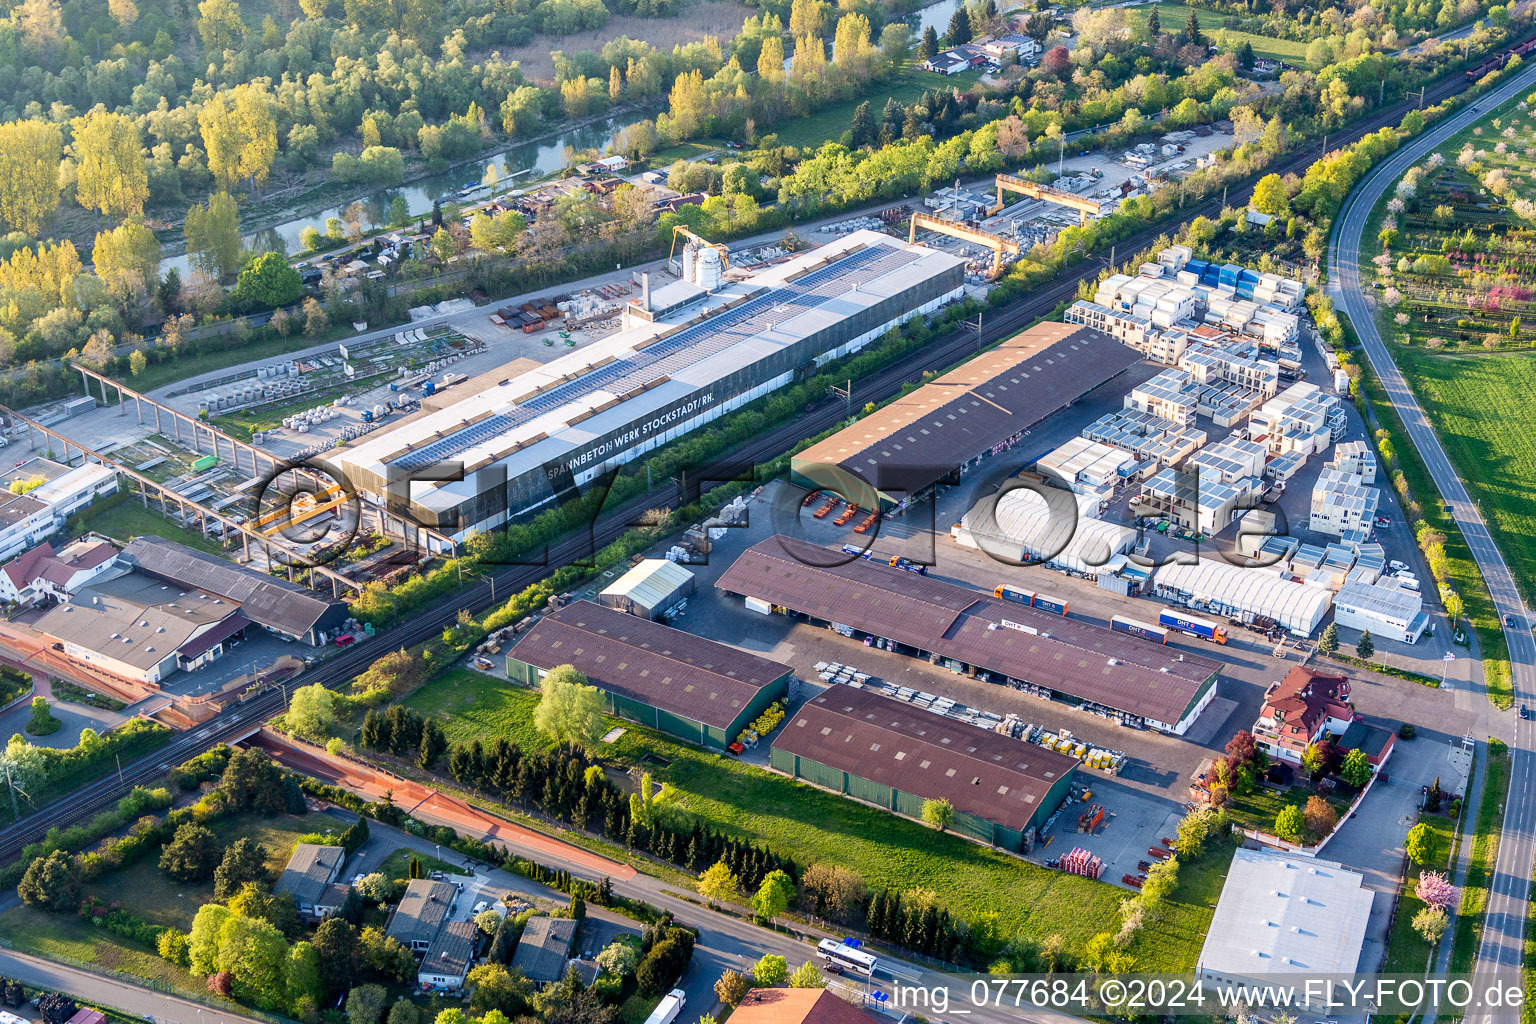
(996, 243)
(1009, 183)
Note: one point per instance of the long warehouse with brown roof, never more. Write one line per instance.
(974, 411)
(1079, 662)
(872, 748)
(680, 684)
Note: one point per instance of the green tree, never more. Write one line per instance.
(50, 883)
(807, 975)
(312, 709)
(732, 987)
(239, 132)
(256, 953)
(278, 909)
(30, 152)
(1288, 823)
(213, 235)
(1420, 844)
(340, 954)
(959, 28)
(1192, 33)
(569, 710)
(404, 1012)
(387, 957)
(192, 855)
(1154, 24)
(1356, 769)
(719, 884)
(442, 244)
(770, 971)
(366, 1004)
(399, 212)
(316, 319)
(110, 176)
(499, 989)
(1245, 55)
(939, 813)
(773, 895)
(1270, 196)
(42, 722)
(618, 959)
(863, 125)
(219, 25)
(1365, 646)
(1431, 923)
(1329, 641)
(137, 362)
(929, 47)
(268, 281)
(244, 861)
(302, 978)
(1314, 759)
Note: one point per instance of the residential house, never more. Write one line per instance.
(310, 878)
(447, 959)
(41, 573)
(1299, 710)
(544, 948)
(421, 913)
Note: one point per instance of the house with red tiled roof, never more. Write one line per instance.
(797, 1006)
(1299, 710)
(41, 573)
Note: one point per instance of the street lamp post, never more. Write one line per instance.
(1445, 664)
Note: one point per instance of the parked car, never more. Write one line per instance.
(481, 906)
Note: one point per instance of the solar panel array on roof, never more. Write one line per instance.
(1073, 657)
(986, 774)
(677, 351)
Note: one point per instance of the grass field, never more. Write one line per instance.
(145, 891)
(1485, 852)
(1482, 409)
(817, 826)
(1172, 18)
(130, 519)
(829, 122)
(1407, 952)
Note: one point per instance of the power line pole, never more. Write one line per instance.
(846, 394)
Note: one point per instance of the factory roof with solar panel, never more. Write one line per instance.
(692, 351)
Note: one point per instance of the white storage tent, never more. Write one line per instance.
(1244, 594)
(1023, 526)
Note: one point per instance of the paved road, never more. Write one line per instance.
(1503, 932)
(122, 995)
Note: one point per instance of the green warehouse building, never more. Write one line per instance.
(868, 746)
(690, 688)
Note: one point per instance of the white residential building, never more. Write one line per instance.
(56, 493)
(41, 573)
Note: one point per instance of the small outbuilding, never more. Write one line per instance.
(650, 590)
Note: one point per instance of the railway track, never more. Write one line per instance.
(238, 721)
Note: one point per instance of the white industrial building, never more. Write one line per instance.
(1253, 595)
(1343, 506)
(699, 348)
(27, 518)
(1283, 916)
(1056, 527)
(650, 589)
(1355, 457)
(1303, 419)
(1391, 612)
(1088, 467)
(1154, 441)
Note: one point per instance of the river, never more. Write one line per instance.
(528, 160)
(935, 16)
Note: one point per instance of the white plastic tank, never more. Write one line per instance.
(690, 259)
(709, 269)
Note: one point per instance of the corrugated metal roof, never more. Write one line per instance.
(1068, 655)
(1296, 606)
(992, 776)
(921, 437)
(657, 665)
(271, 602)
